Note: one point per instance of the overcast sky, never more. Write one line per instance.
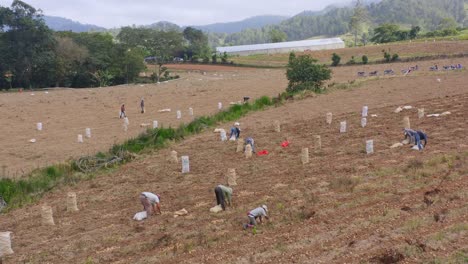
(116, 13)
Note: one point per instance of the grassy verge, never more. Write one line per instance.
(19, 192)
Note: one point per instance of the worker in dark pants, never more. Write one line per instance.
(223, 196)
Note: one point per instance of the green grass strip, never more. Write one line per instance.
(18, 192)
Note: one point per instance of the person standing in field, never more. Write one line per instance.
(142, 105)
(223, 196)
(150, 202)
(122, 111)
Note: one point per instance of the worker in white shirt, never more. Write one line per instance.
(150, 202)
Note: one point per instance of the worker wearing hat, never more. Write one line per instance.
(150, 202)
(235, 132)
(256, 213)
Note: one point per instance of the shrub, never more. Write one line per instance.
(214, 58)
(335, 59)
(365, 59)
(387, 56)
(352, 61)
(395, 57)
(304, 73)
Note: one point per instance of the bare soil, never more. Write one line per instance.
(374, 52)
(393, 206)
(68, 112)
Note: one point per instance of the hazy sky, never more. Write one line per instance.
(115, 13)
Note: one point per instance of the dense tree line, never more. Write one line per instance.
(32, 55)
(428, 15)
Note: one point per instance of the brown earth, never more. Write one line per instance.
(343, 207)
(374, 52)
(66, 113)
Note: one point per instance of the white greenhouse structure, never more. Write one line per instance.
(283, 47)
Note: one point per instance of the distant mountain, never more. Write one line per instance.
(251, 23)
(65, 24)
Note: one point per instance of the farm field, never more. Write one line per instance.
(344, 206)
(66, 113)
(374, 53)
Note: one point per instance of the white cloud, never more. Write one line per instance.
(115, 13)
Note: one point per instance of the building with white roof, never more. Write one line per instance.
(283, 47)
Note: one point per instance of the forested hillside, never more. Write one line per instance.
(233, 27)
(427, 14)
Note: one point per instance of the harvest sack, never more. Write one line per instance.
(185, 164)
(318, 143)
(71, 202)
(363, 122)
(305, 155)
(277, 126)
(329, 118)
(140, 216)
(216, 209)
(343, 127)
(248, 151)
(88, 132)
(370, 146)
(365, 109)
(231, 177)
(47, 216)
(5, 244)
(240, 145)
(406, 122)
(173, 156)
(421, 113)
(223, 135)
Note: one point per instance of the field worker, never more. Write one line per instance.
(223, 196)
(122, 111)
(250, 141)
(142, 105)
(235, 132)
(256, 213)
(416, 137)
(150, 202)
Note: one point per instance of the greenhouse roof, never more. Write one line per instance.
(279, 45)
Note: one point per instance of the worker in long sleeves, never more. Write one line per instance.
(223, 196)
(255, 214)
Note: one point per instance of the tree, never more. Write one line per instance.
(277, 36)
(385, 33)
(358, 20)
(447, 23)
(68, 56)
(26, 46)
(335, 59)
(304, 73)
(414, 32)
(198, 43)
(365, 59)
